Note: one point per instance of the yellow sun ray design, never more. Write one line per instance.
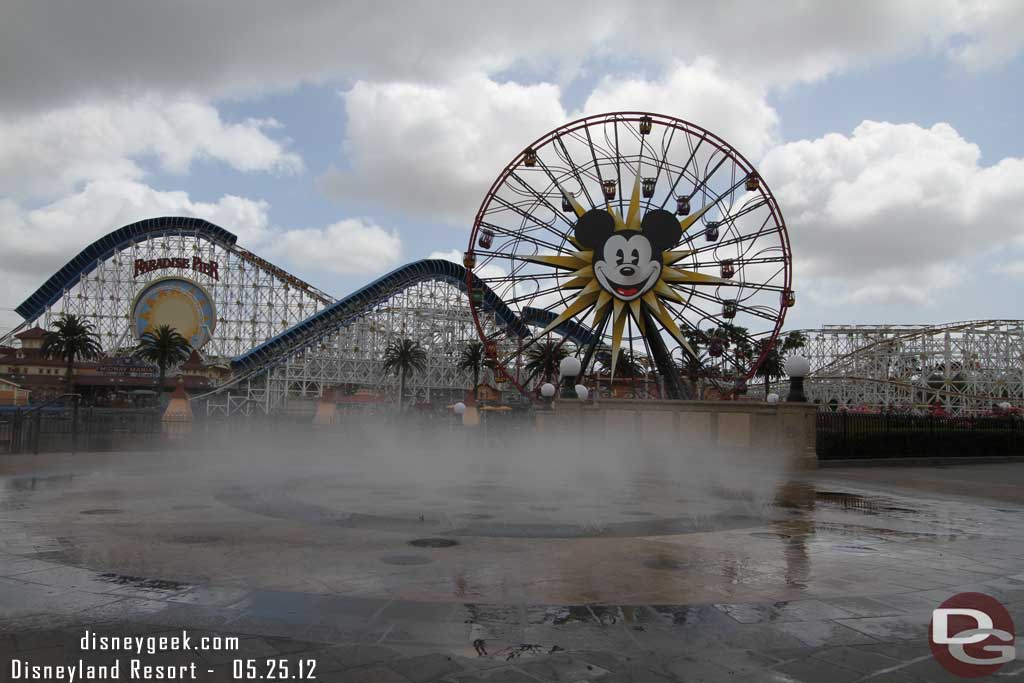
(579, 269)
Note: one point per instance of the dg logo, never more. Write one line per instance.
(972, 635)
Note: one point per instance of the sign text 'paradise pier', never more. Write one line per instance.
(197, 264)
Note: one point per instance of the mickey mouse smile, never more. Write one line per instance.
(627, 263)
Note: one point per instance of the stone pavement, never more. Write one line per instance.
(837, 587)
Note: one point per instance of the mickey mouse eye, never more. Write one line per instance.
(636, 257)
(619, 257)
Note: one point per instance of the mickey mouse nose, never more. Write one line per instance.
(627, 270)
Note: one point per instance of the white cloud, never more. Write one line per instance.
(699, 93)
(892, 211)
(52, 154)
(51, 53)
(991, 33)
(40, 241)
(36, 243)
(433, 150)
(351, 246)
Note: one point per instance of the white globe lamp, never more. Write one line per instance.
(797, 367)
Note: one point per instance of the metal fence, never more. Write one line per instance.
(71, 428)
(855, 435)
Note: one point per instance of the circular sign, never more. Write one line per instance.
(179, 303)
(972, 635)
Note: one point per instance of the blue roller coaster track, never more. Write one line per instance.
(317, 326)
(346, 310)
(105, 247)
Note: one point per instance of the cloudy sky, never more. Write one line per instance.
(343, 139)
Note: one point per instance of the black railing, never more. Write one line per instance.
(858, 435)
(64, 425)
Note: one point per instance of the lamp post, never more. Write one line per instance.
(772, 398)
(797, 367)
(569, 369)
(582, 392)
(547, 392)
(460, 408)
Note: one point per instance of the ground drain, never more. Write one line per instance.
(102, 511)
(666, 563)
(406, 560)
(433, 543)
(196, 540)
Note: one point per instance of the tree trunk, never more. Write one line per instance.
(70, 375)
(160, 387)
(767, 385)
(476, 383)
(401, 388)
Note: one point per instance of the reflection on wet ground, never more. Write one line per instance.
(829, 576)
(501, 540)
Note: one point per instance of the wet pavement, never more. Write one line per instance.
(826, 576)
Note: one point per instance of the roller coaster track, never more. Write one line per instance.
(314, 329)
(914, 333)
(87, 259)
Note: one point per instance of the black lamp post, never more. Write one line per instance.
(797, 367)
(569, 369)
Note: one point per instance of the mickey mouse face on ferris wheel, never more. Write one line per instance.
(627, 263)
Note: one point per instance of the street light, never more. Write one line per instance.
(547, 392)
(797, 367)
(460, 408)
(569, 369)
(582, 393)
(772, 398)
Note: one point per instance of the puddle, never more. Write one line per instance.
(433, 543)
(144, 583)
(34, 483)
(664, 563)
(858, 549)
(853, 501)
(406, 560)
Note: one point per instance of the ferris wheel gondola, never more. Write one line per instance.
(653, 233)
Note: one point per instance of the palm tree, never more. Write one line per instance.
(71, 339)
(544, 358)
(627, 365)
(472, 359)
(773, 363)
(163, 346)
(404, 357)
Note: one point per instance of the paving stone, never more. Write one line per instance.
(372, 674)
(508, 675)
(562, 667)
(857, 659)
(888, 628)
(825, 633)
(814, 670)
(350, 656)
(426, 667)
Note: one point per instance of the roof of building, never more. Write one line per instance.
(194, 362)
(31, 333)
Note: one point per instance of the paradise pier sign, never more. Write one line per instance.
(197, 264)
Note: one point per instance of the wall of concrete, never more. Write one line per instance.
(759, 430)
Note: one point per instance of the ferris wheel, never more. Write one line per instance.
(639, 243)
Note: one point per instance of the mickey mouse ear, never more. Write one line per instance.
(661, 228)
(594, 227)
